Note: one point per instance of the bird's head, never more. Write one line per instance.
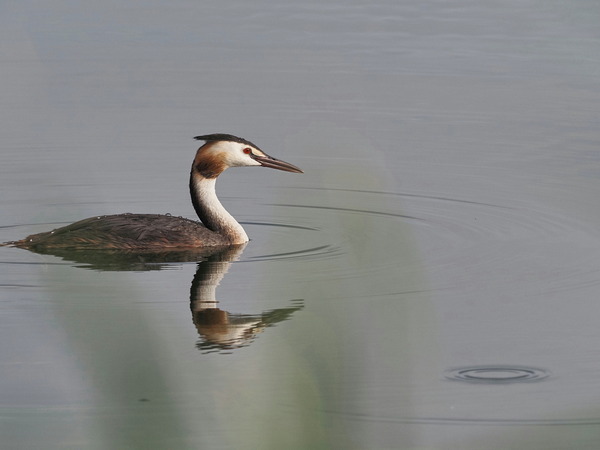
(225, 150)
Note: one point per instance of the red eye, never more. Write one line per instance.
(248, 151)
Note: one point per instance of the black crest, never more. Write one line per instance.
(224, 137)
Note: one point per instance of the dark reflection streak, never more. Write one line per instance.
(268, 224)
(463, 422)
(400, 194)
(421, 291)
(379, 213)
(19, 286)
(2, 227)
(299, 252)
(30, 263)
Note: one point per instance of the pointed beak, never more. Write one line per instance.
(273, 163)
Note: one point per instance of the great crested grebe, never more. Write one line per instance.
(156, 231)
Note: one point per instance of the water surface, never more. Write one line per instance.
(431, 281)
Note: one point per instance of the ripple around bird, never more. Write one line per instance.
(449, 234)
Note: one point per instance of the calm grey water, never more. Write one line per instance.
(431, 281)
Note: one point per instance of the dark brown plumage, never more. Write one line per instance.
(126, 231)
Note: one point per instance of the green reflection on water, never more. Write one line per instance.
(359, 344)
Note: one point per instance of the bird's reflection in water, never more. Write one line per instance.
(219, 330)
(129, 260)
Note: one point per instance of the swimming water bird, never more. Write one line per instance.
(155, 231)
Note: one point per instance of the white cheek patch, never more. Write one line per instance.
(238, 158)
(231, 154)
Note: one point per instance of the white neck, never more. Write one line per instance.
(211, 212)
